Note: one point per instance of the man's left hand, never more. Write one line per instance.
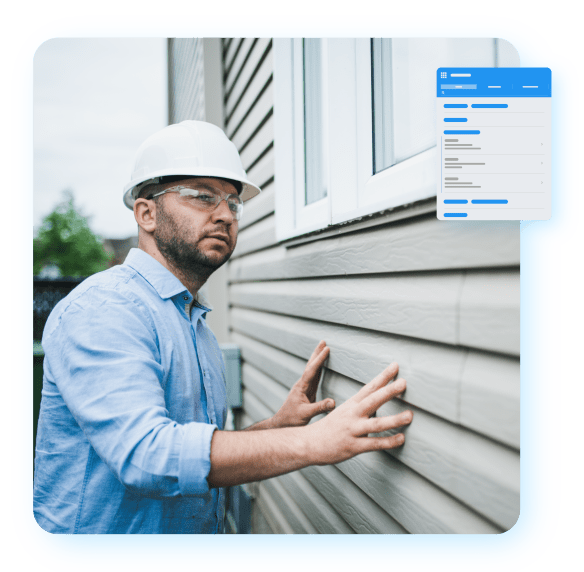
(300, 407)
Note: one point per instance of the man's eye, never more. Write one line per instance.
(206, 198)
(233, 207)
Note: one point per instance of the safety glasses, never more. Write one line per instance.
(205, 199)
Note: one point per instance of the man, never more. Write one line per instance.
(130, 436)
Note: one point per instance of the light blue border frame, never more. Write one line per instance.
(540, 330)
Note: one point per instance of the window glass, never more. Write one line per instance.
(382, 110)
(404, 77)
(315, 184)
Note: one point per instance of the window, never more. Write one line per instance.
(315, 183)
(355, 120)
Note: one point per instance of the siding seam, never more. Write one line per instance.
(459, 390)
(458, 305)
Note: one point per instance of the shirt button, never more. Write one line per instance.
(185, 297)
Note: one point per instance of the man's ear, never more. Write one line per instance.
(145, 214)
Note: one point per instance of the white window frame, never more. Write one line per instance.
(294, 216)
(411, 180)
(353, 190)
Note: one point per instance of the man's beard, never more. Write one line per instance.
(183, 256)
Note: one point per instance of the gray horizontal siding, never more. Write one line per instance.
(481, 473)
(409, 246)
(259, 207)
(317, 509)
(458, 385)
(418, 505)
(489, 396)
(409, 497)
(248, 115)
(236, 68)
(358, 509)
(259, 523)
(489, 311)
(442, 307)
(262, 172)
(231, 47)
(259, 145)
(313, 507)
(272, 511)
(294, 517)
(261, 400)
(249, 84)
(413, 305)
(259, 113)
(260, 235)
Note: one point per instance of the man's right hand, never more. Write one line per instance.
(343, 433)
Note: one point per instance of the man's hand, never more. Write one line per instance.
(244, 456)
(344, 433)
(300, 407)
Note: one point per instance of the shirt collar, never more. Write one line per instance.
(202, 299)
(160, 278)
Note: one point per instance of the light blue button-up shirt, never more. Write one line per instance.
(134, 386)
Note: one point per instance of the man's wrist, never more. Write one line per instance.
(308, 445)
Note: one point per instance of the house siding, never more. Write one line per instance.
(441, 299)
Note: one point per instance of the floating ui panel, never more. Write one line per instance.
(494, 141)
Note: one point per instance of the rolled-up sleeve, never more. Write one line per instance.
(105, 359)
(195, 459)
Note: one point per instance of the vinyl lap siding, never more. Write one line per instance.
(249, 107)
(441, 299)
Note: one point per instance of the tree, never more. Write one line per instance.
(66, 241)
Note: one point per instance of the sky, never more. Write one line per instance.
(94, 102)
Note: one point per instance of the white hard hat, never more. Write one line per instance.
(190, 148)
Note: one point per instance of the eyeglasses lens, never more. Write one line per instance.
(209, 200)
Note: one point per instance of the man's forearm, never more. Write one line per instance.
(239, 457)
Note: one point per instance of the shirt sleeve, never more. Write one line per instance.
(104, 356)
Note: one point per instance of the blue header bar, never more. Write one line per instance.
(494, 82)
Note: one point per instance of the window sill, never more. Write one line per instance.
(401, 212)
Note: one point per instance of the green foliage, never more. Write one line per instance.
(66, 241)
